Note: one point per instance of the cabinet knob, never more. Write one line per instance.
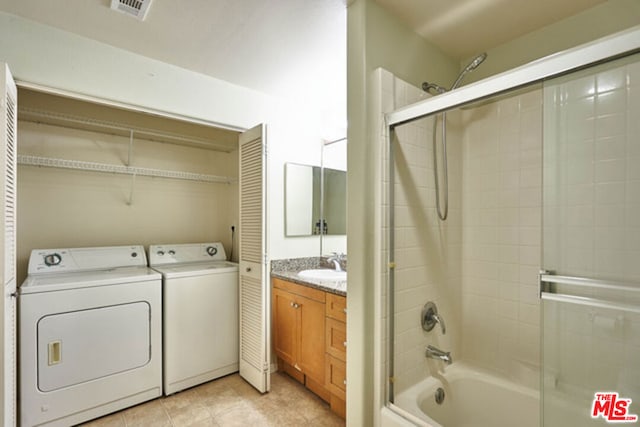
(294, 305)
(248, 270)
(344, 343)
(344, 382)
(344, 310)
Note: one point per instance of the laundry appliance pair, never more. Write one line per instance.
(99, 330)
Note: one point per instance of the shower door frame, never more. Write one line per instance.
(602, 50)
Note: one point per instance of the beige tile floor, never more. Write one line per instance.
(229, 402)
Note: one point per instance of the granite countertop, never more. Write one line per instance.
(338, 287)
(289, 269)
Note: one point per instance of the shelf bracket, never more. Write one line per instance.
(133, 184)
(130, 147)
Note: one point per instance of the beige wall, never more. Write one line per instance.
(68, 208)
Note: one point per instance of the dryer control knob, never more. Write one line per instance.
(212, 250)
(160, 253)
(172, 252)
(52, 259)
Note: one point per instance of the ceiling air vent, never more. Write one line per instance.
(135, 8)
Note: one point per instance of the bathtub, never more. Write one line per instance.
(472, 398)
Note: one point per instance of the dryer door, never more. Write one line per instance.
(85, 345)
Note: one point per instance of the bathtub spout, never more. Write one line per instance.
(435, 353)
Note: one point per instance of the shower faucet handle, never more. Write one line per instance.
(429, 317)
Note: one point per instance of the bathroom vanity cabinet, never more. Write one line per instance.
(309, 335)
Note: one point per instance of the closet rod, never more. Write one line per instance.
(119, 169)
(39, 116)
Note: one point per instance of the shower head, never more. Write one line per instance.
(475, 62)
(431, 87)
(436, 89)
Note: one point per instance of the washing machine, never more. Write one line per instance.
(90, 334)
(200, 313)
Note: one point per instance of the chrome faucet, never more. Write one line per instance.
(435, 353)
(336, 258)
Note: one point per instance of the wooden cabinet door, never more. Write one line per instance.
(336, 338)
(336, 377)
(285, 326)
(312, 338)
(337, 307)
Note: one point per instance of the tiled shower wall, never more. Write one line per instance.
(480, 266)
(502, 199)
(427, 251)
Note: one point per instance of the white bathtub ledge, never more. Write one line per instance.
(388, 418)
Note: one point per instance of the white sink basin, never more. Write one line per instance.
(323, 274)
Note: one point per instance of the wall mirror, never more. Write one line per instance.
(316, 197)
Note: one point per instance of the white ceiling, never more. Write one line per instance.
(290, 48)
(463, 28)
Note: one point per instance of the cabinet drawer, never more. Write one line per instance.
(337, 307)
(336, 338)
(336, 377)
(305, 291)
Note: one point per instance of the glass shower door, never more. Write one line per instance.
(590, 286)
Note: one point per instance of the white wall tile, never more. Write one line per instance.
(611, 79)
(611, 147)
(611, 102)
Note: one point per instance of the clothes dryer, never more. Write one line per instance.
(200, 316)
(90, 334)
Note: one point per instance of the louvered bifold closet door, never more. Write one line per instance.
(254, 285)
(8, 142)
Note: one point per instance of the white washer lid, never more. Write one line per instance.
(86, 279)
(196, 269)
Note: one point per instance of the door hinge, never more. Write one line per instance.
(265, 367)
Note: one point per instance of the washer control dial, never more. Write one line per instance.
(212, 250)
(52, 259)
(160, 253)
